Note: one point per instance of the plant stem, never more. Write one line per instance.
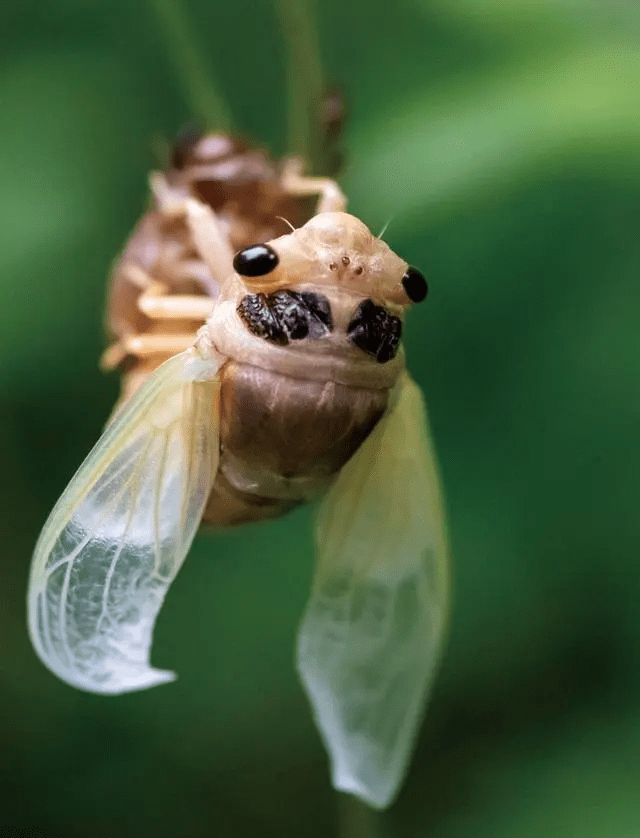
(203, 98)
(304, 79)
(357, 820)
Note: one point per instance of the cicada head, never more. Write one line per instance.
(336, 250)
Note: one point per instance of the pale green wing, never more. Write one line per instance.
(371, 636)
(120, 532)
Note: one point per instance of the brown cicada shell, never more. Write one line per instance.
(248, 191)
(244, 186)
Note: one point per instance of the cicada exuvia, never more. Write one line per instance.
(261, 370)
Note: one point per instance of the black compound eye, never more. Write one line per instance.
(257, 260)
(415, 285)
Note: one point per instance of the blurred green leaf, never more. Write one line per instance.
(477, 135)
(502, 140)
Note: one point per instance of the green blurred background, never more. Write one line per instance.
(502, 138)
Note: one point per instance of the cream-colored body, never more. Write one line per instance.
(291, 416)
(237, 428)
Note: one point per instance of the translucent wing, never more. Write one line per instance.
(371, 636)
(120, 532)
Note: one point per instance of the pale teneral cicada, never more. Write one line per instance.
(294, 388)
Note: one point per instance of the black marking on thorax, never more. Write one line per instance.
(286, 315)
(375, 331)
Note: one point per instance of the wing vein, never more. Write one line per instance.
(69, 559)
(44, 617)
(62, 615)
(137, 474)
(62, 606)
(66, 516)
(190, 446)
(157, 494)
(120, 531)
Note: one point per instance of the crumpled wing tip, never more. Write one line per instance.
(118, 683)
(345, 782)
(121, 530)
(370, 639)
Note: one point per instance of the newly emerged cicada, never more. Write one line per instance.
(294, 388)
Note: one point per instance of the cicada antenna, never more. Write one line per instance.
(305, 82)
(288, 223)
(385, 226)
(205, 101)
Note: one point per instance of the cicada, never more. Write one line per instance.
(263, 368)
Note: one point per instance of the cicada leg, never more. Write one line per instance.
(162, 306)
(157, 304)
(149, 351)
(295, 182)
(143, 346)
(170, 201)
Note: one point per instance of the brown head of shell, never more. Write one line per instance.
(240, 182)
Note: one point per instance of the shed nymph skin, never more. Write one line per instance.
(295, 388)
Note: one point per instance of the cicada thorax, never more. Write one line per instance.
(312, 361)
(243, 185)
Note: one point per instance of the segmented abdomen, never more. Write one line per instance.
(283, 439)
